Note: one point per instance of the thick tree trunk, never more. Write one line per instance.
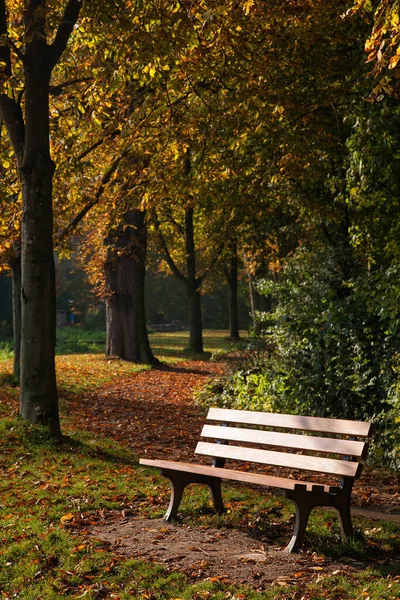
(39, 402)
(193, 287)
(16, 301)
(232, 278)
(125, 269)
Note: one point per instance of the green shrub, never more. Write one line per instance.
(334, 349)
(76, 340)
(6, 350)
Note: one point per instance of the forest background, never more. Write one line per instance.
(235, 141)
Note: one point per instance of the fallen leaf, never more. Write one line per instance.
(67, 517)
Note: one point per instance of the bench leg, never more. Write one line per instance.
(177, 487)
(216, 496)
(305, 501)
(345, 519)
(179, 480)
(343, 506)
(302, 514)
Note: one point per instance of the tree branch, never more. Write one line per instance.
(17, 51)
(100, 190)
(10, 110)
(201, 278)
(111, 136)
(65, 29)
(170, 261)
(56, 90)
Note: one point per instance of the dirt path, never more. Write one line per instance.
(153, 412)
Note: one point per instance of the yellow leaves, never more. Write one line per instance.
(279, 111)
(150, 69)
(395, 59)
(248, 5)
(96, 119)
(394, 18)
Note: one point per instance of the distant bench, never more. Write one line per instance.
(336, 451)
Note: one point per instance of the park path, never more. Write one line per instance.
(153, 412)
(155, 415)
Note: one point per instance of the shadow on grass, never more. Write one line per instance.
(113, 455)
(16, 431)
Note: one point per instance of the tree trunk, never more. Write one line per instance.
(195, 319)
(193, 287)
(125, 269)
(16, 301)
(232, 278)
(39, 402)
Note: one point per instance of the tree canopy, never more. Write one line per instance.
(234, 138)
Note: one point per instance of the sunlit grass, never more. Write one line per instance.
(175, 344)
(80, 372)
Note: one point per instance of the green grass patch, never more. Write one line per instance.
(216, 343)
(76, 340)
(165, 345)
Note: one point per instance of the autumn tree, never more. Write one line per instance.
(382, 44)
(32, 43)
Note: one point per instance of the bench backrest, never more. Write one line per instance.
(337, 450)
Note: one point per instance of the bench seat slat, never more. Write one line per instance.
(233, 475)
(297, 422)
(286, 440)
(340, 468)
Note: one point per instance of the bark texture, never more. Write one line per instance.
(125, 271)
(39, 401)
(17, 310)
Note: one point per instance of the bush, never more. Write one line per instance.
(6, 350)
(76, 340)
(335, 349)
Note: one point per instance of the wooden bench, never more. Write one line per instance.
(240, 435)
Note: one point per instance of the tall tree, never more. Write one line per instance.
(28, 57)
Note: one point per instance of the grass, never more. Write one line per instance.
(76, 340)
(175, 344)
(50, 493)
